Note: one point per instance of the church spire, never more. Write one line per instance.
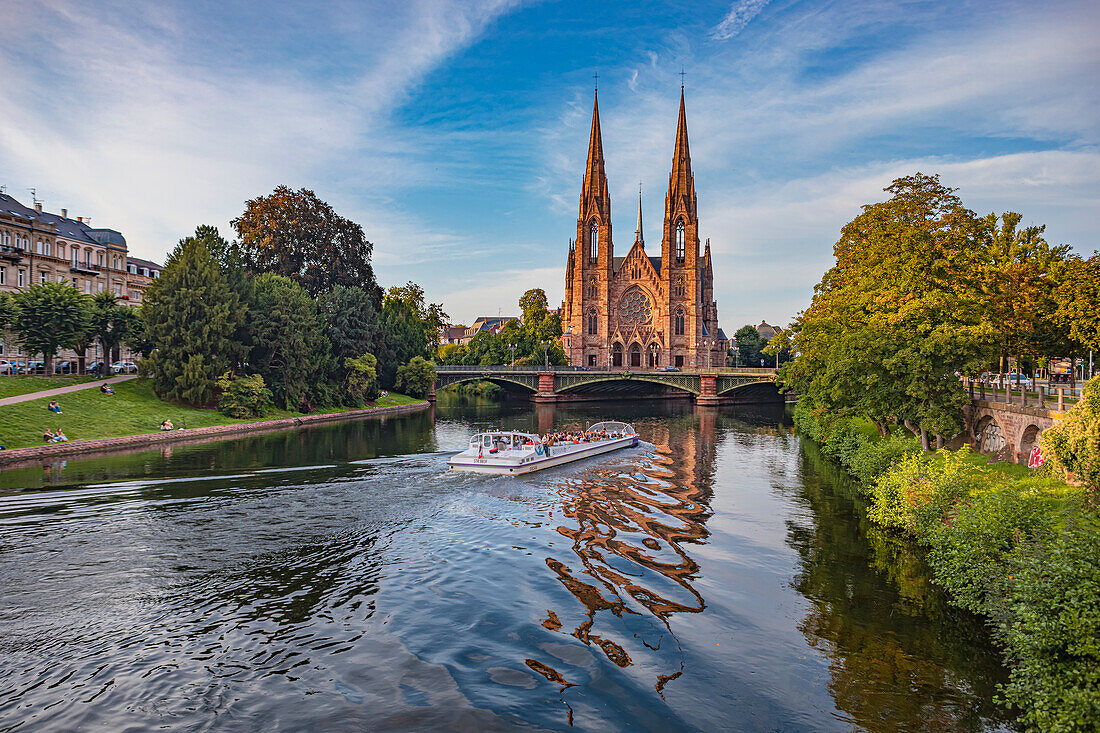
(638, 238)
(681, 184)
(594, 198)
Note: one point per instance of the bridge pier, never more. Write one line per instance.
(431, 393)
(708, 390)
(546, 391)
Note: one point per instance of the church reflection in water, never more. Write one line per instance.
(630, 525)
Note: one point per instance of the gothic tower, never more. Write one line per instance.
(591, 256)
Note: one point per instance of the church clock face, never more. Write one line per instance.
(635, 309)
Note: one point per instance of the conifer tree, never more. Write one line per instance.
(287, 344)
(191, 315)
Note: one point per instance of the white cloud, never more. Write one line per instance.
(739, 16)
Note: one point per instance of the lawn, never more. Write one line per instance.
(133, 410)
(12, 386)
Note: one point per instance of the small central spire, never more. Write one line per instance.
(638, 232)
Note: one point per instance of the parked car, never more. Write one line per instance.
(93, 367)
(124, 367)
(6, 367)
(670, 369)
(68, 366)
(36, 367)
(19, 366)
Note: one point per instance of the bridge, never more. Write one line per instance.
(575, 384)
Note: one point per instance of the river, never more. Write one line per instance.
(720, 576)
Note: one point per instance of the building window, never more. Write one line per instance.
(118, 290)
(100, 259)
(680, 285)
(680, 322)
(47, 245)
(591, 358)
(594, 243)
(3, 276)
(132, 270)
(43, 277)
(592, 287)
(593, 322)
(680, 242)
(88, 287)
(61, 250)
(22, 279)
(99, 287)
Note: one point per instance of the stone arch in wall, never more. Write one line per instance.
(988, 435)
(1028, 440)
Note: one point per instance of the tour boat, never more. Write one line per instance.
(513, 452)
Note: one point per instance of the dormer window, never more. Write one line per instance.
(680, 242)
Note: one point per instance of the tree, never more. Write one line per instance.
(1078, 299)
(243, 397)
(404, 337)
(779, 347)
(900, 316)
(49, 317)
(432, 314)
(750, 345)
(296, 235)
(191, 317)
(111, 322)
(1018, 285)
(362, 377)
(416, 378)
(287, 347)
(7, 310)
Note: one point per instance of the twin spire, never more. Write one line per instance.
(595, 201)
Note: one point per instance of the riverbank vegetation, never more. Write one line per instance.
(134, 409)
(923, 292)
(534, 339)
(1019, 547)
(292, 301)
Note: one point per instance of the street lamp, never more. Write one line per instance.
(546, 353)
(513, 348)
(652, 356)
(706, 347)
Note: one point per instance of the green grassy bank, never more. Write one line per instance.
(133, 409)
(13, 386)
(1020, 547)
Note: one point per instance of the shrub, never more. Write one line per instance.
(243, 397)
(1075, 443)
(875, 457)
(1051, 628)
(417, 377)
(922, 491)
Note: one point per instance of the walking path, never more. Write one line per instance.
(63, 390)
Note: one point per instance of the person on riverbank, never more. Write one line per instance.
(47, 437)
(167, 425)
(54, 407)
(106, 389)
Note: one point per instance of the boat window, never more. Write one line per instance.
(487, 441)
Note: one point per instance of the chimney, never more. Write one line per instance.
(80, 218)
(38, 206)
(64, 213)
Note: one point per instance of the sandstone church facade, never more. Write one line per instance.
(640, 311)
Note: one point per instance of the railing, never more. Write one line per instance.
(613, 370)
(1045, 396)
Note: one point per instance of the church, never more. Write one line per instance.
(640, 311)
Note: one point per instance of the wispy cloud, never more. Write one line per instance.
(739, 16)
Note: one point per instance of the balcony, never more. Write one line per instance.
(86, 268)
(14, 254)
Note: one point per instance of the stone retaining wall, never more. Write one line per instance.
(52, 450)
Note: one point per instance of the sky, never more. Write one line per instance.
(456, 133)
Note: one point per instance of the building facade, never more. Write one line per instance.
(39, 247)
(641, 311)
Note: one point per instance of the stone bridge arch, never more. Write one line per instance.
(1006, 430)
(507, 381)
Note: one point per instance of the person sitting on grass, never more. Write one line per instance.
(54, 407)
(166, 425)
(47, 436)
(106, 389)
(59, 437)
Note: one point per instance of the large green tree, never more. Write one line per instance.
(1078, 299)
(111, 322)
(49, 317)
(192, 317)
(901, 315)
(431, 314)
(286, 333)
(750, 345)
(405, 336)
(297, 235)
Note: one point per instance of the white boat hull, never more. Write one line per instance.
(509, 466)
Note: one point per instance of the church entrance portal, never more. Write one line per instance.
(617, 355)
(635, 355)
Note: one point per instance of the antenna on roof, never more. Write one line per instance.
(34, 195)
(3, 189)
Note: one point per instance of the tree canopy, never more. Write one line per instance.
(297, 235)
(49, 317)
(288, 348)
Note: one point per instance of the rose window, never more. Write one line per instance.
(634, 308)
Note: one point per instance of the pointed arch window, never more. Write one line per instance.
(594, 243)
(679, 322)
(592, 286)
(680, 242)
(680, 285)
(593, 323)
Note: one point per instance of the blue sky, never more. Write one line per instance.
(456, 132)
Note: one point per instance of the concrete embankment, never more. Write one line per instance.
(102, 445)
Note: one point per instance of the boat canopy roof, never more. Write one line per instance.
(611, 426)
